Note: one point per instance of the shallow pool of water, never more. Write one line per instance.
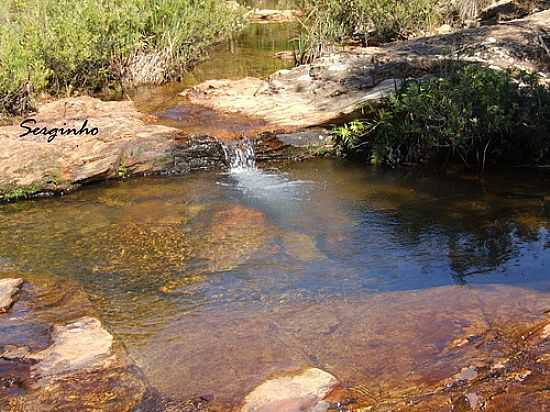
(251, 53)
(216, 280)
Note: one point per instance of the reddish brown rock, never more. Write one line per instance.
(52, 358)
(127, 144)
(390, 351)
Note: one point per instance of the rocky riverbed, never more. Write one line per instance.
(55, 354)
(451, 348)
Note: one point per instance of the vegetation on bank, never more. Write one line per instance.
(473, 114)
(373, 21)
(335, 20)
(59, 46)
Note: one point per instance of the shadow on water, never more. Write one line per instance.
(168, 261)
(340, 229)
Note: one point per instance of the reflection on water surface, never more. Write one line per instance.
(171, 262)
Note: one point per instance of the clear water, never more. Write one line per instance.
(183, 267)
(250, 54)
(241, 155)
(216, 281)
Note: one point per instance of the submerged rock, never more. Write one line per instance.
(301, 247)
(302, 392)
(8, 290)
(235, 235)
(387, 349)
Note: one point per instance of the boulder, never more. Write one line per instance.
(80, 345)
(302, 392)
(8, 290)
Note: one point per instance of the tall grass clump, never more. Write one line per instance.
(61, 45)
(475, 115)
(334, 20)
(377, 21)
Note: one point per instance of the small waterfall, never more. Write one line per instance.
(240, 155)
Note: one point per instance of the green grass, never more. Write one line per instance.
(58, 46)
(332, 21)
(473, 115)
(19, 193)
(335, 20)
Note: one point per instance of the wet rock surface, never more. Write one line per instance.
(337, 84)
(81, 345)
(424, 350)
(47, 364)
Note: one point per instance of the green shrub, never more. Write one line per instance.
(475, 115)
(61, 45)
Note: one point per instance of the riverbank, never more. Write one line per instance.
(340, 83)
(88, 46)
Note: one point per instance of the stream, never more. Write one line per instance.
(217, 280)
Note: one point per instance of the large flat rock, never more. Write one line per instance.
(127, 144)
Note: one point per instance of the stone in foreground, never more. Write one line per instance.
(293, 393)
(80, 345)
(56, 356)
(8, 290)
